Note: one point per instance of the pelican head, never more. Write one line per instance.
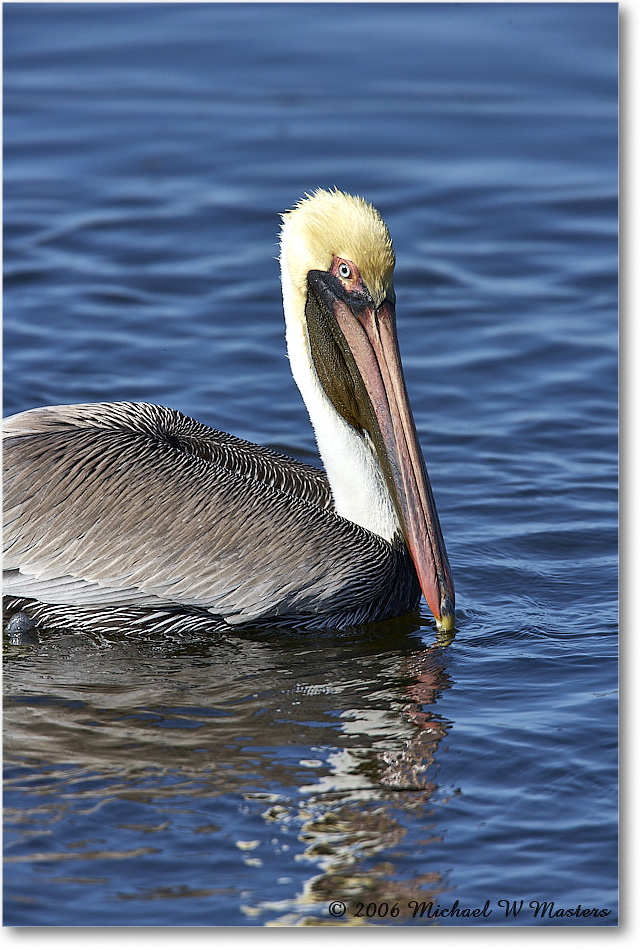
(337, 264)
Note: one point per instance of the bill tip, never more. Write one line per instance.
(446, 620)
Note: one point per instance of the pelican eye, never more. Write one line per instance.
(344, 271)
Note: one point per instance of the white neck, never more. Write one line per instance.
(358, 486)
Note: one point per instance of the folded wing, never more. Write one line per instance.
(131, 504)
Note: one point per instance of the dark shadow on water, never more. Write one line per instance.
(328, 739)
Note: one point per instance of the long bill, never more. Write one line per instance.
(371, 336)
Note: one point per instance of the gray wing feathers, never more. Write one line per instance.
(127, 503)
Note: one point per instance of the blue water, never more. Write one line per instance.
(255, 779)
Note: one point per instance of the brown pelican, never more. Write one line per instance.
(131, 513)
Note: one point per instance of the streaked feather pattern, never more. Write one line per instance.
(128, 512)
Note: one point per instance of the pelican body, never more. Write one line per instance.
(128, 513)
